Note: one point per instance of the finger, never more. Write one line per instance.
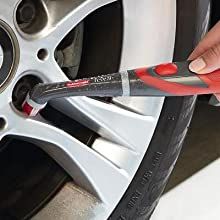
(207, 62)
(212, 38)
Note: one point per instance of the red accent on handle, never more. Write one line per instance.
(214, 76)
(212, 80)
(178, 89)
(77, 84)
(166, 69)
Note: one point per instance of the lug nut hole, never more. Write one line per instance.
(31, 16)
(2, 123)
(42, 54)
(22, 87)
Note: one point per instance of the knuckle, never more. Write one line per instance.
(214, 52)
(212, 56)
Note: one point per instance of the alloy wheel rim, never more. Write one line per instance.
(124, 146)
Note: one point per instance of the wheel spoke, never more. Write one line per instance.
(65, 15)
(111, 122)
(6, 113)
(88, 168)
(117, 154)
(51, 72)
(7, 10)
(141, 105)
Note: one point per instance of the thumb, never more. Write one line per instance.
(208, 62)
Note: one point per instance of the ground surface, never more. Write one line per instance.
(202, 145)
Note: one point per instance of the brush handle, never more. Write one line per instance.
(172, 79)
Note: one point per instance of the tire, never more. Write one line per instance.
(146, 187)
(144, 192)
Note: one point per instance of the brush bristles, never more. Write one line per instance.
(31, 108)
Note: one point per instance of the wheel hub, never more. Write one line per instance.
(7, 55)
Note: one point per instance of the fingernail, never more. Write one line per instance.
(197, 65)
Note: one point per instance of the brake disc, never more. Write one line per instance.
(69, 52)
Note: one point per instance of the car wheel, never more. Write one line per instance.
(86, 158)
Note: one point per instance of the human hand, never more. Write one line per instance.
(206, 56)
